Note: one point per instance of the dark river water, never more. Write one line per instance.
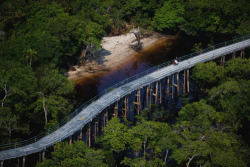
(163, 51)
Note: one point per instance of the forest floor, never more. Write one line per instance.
(117, 50)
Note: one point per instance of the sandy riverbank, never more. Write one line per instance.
(117, 50)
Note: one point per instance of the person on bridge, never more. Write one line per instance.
(176, 61)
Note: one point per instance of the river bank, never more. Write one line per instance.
(116, 52)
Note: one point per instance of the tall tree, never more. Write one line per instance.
(74, 155)
(170, 16)
(54, 95)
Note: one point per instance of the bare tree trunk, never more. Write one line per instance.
(44, 107)
(30, 61)
(139, 40)
(190, 159)
(7, 92)
(83, 54)
(144, 150)
(8, 124)
(138, 37)
(165, 160)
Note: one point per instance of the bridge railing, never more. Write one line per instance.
(73, 114)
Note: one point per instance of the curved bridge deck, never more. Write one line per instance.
(92, 110)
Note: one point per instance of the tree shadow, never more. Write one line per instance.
(136, 48)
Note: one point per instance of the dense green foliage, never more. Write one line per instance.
(31, 99)
(42, 32)
(208, 132)
(75, 155)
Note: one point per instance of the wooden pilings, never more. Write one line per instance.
(24, 158)
(160, 93)
(156, 92)
(222, 60)
(137, 103)
(184, 82)
(125, 109)
(233, 55)
(80, 136)
(96, 127)
(39, 157)
(172, 94)
(187, 80)
(167, 88)
(70, 139)
(1, 163)
(89, 135)
(177, 84)
(150, 95)
(43, 155)
(96, 130)
(147, 96)
(107, 116)
(242, 53)
(116, 110)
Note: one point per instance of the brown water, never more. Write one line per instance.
(162, 51)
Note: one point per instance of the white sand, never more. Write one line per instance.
(117, 51)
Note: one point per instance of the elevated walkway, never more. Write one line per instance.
(88, 111)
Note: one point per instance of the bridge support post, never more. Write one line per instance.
(70, 139)
(138, 101)
(87, 132)
(80, 136)
(18, 162)
(242, 53)
(172, 86)
(167, 88)
(1, 163)
(97, 125)
(156, 93)
(107, 116)
(104, 120)
(43, 155)
(96, 128)
(116, 110)
(160, 93)
(177, 83)
(39, 158)
(89, 135)
(184, 82)
(233, 55)
(187, 80)
(125, 109)
(147, 96)
(24, 161)
(224, 60)
(150, 95)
